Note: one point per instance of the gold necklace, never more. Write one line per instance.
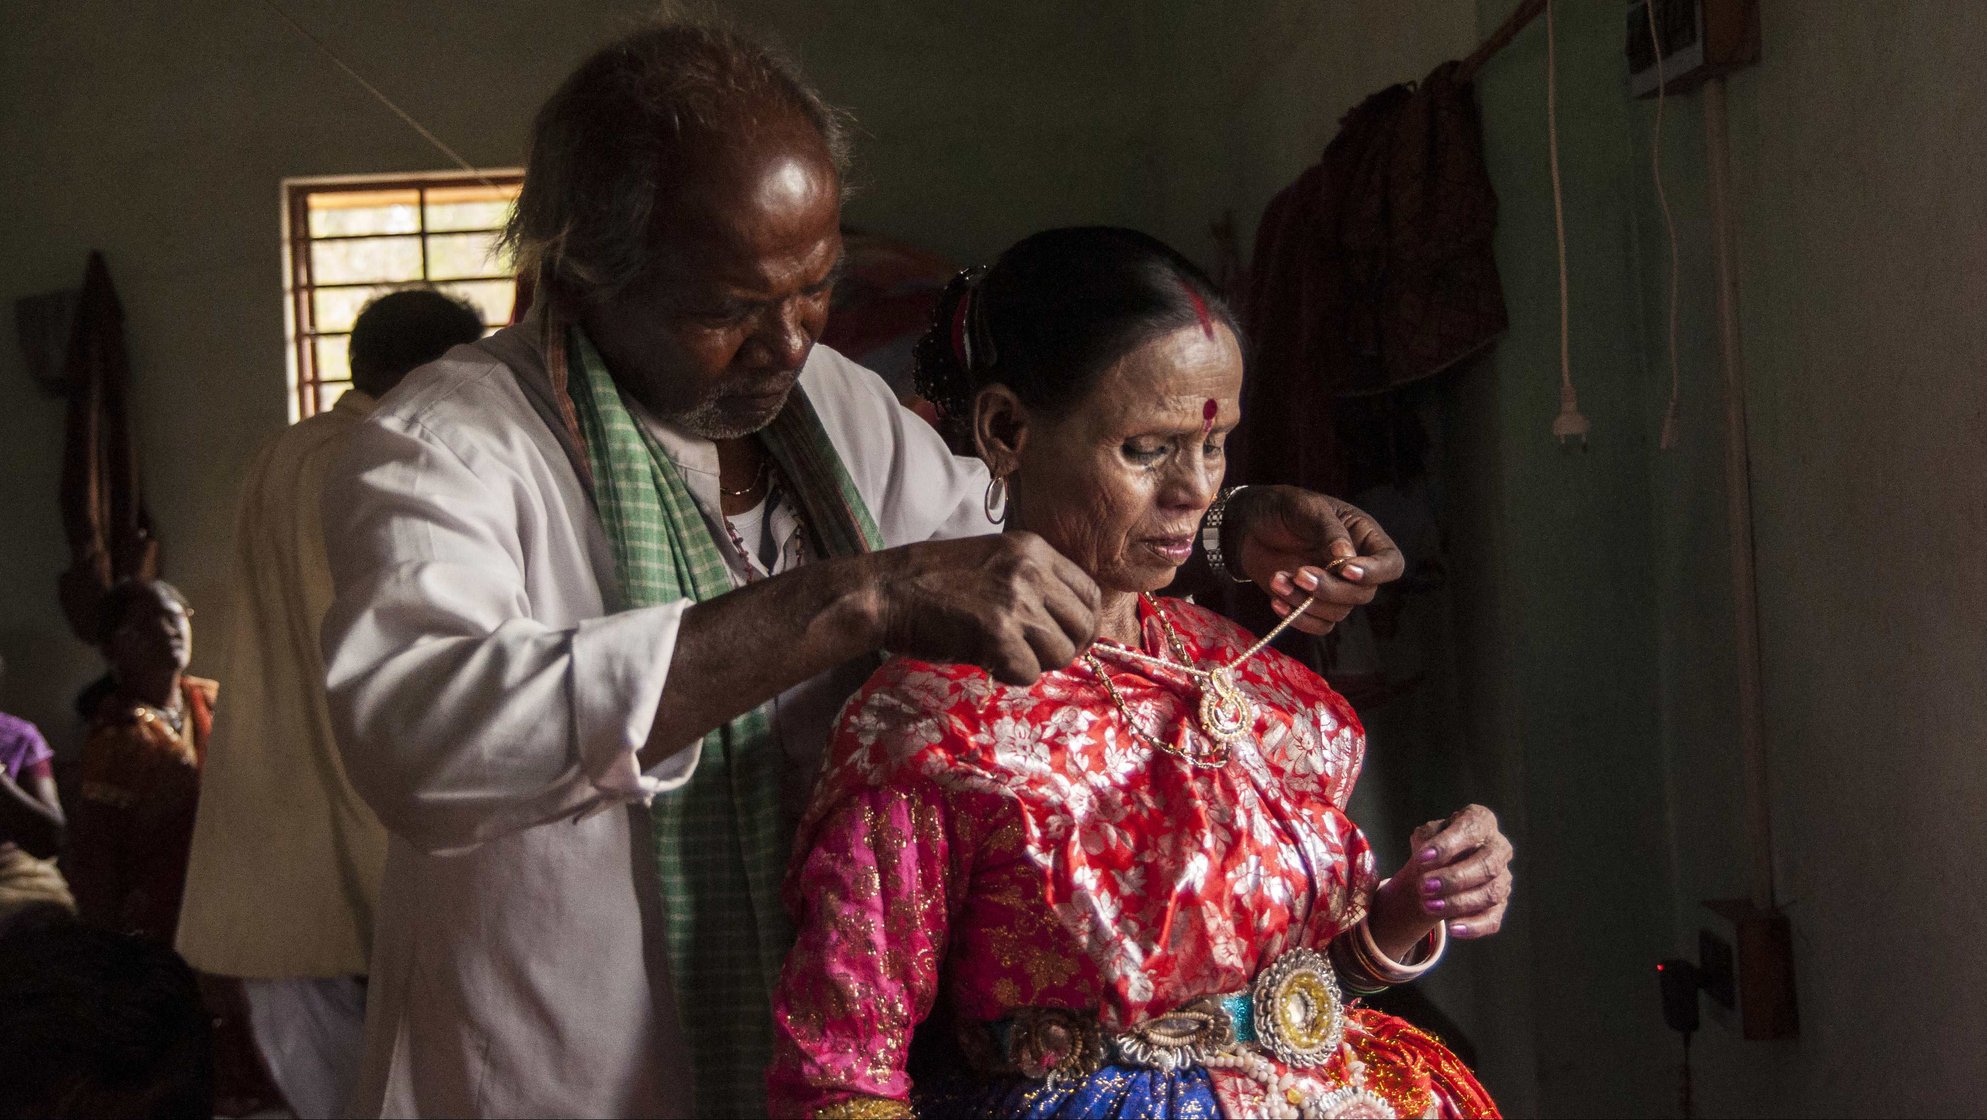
(1212, 760)
(172, 719)
(1225, 713)
(758, 477)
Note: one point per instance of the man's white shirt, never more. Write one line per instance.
(489, 698)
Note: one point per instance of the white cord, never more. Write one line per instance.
(383, 98)
(1570, 422)
(1668, 439)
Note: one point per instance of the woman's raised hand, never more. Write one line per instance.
(1459, 873)
(1283, 537)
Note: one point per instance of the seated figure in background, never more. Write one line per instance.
(287, 860)
(101, 1026)
(1130, 888)
(140, 765)
(31, 822)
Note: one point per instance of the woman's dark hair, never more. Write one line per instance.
(126, 593)
(1052, 313)
(100, 1024)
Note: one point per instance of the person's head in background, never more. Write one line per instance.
(404, 330)
(145, 631)
(99, 1024)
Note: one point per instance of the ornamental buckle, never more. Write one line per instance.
(1299, 1013)
(1185, 1037)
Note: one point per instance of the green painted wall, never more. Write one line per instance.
(1556, 612)
(1857, 159)
(1603, 676)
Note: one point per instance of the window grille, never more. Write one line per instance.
(352, 238)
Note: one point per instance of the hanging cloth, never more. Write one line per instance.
(103, 512)
(1373, 270)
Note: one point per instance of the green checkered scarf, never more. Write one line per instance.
(720, 844)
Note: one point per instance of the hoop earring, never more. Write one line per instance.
(996, 496)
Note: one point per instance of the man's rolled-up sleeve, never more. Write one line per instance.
(460, 716)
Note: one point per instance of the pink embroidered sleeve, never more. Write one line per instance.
(872, 902)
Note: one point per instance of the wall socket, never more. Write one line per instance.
(1745, 963)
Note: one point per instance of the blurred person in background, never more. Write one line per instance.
(32, 827)
(101, 1025)
(286, 859)
(140, 765)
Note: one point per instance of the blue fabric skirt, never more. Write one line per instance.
(1112, 1092)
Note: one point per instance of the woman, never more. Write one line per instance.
(141, 765)
(1130, 888)
(31, 822)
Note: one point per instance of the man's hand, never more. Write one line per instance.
(1009, 603)
(1282, 538)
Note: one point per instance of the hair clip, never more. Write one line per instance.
(972, 344)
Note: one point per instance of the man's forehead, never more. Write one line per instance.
(777, 195)
(749, 195)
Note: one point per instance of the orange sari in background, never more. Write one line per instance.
(133, 824)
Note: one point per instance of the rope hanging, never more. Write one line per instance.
(1569, 422)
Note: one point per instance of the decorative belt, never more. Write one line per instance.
(1294, 1010)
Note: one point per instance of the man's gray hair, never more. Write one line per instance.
(608, 143)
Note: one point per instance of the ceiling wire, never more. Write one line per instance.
(383, 99)
(1667, 440)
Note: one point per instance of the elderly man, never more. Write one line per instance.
(603, 579)
(286, 862)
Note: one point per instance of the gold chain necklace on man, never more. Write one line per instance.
(1225, 714)
(758, 477)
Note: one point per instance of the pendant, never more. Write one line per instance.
(1225, 714)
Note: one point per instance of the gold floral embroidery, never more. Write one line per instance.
(866, 1108)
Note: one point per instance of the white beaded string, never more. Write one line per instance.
(1204, 674)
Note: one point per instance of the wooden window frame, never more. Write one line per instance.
(300, 310)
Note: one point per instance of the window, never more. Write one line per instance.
(350, 239)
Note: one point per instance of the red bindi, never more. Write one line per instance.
(1207, 414)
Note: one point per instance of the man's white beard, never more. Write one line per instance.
(708, 421)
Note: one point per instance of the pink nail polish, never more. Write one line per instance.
(1459, 929)
(1352, 572)
(1431, 885)
(1428, 855)
(1437, 905)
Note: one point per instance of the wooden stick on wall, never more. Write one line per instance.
(1738, 501)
